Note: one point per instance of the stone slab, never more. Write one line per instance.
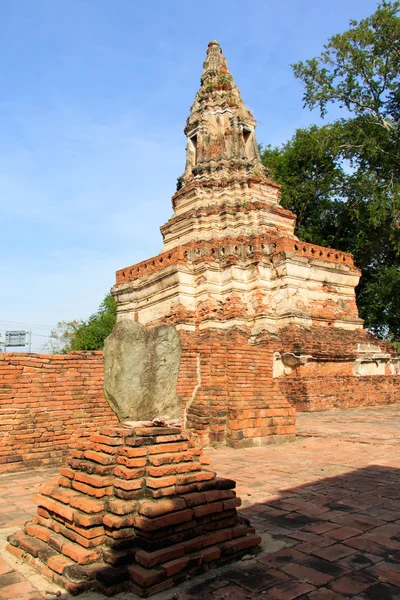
(141, 371)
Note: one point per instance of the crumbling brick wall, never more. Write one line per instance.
(328, 378)
(47, 403)
(309, 394)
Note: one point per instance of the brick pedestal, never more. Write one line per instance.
(137, 509)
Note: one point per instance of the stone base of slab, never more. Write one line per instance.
(136, 509)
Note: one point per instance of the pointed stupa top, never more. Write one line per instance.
(215, 59)
(220, 129)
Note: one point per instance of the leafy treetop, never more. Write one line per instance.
(84, 335)
(343, 179)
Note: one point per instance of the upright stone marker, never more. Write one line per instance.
(141, 371)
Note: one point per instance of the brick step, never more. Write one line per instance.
(49, 562)
(260, 422)
(151, 572)
(170, 568)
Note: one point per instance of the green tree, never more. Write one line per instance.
(359, 70)
(343, 179)
(84, 335)
(309, 171)
(91, 334)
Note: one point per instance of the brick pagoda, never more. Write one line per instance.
(266, 322)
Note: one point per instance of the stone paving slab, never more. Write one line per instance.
(327, 507)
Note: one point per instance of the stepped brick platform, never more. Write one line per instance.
(137, 509)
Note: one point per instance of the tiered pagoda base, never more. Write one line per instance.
(137, 509)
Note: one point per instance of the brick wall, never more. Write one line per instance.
(231, 397)
(226, 383)
(46, 403)
(327, 380)
(309, 394)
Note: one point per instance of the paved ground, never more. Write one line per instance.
(326, 505)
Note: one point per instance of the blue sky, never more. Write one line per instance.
(94, 98)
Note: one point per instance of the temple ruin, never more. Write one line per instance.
(268, 322)
(260, 324)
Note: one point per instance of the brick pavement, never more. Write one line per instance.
(327, 507)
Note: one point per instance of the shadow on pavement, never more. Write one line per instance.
(336, 538)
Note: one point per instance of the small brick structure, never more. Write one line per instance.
(137, 509)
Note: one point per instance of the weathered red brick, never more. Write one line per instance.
(195, 477)
(64, 482)
(165, 521)
(162, 492)
(58, 563)
(106, 440)
(132, 452)
(67, 472)
(145, 577)
(114, 431)
(207, 509)
(38, 531)
(56, 507)
(195, 498)
(161, 506)
(214, 495)
(175, 566)
(125, 473)
(87, 520)
(157, 431)
(150, 559)
(128, 485)
(167, 448)
(121, 507)
(161, 471)
(121, 534)
(56, 541)
(132, 462)
(160, 482)
(211, 554)
(94, 480)
(92, 491)
(232, 503)
(99, 457)
(87, 504)
(242, 543)
(118, 522)
(18, 552)
(80, 555)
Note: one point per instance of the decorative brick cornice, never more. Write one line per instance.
(252, 247)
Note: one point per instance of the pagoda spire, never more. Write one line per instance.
(220, 129)
(225, 189)
(215, 60)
